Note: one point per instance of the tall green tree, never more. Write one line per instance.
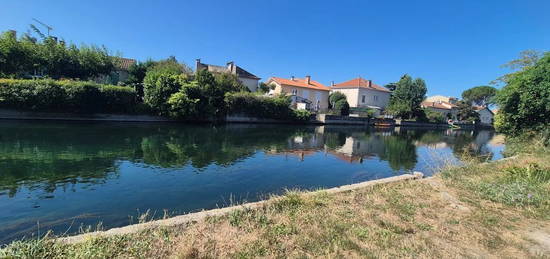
(479, 95)
(466, 112)
(407, 97)
(524, 101)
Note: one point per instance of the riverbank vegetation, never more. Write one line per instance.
(47, 95)
(479, 210)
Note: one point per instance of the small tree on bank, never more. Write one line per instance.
(407, 97)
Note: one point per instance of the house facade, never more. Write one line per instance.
(360, 92)
(305, 93)
(246, 78)
(441, 98)
(485, 115)
(120, 72)
(447, 109)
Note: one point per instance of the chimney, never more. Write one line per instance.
(292, 78)
(197, 64)
(308, 80)
(331, 83)
(370, 83)
(231, 67)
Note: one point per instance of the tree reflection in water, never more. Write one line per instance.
(57, 155)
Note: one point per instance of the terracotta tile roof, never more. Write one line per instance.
(438, 105)
(300, 82)
(361, 83)
(124, 63)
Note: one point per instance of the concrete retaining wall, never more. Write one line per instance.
(336, 119)
(193, 217)
(26, 115)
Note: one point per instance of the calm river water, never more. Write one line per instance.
(62, 175)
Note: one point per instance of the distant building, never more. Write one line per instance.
(441, 98)
(247, 79)
(122, 67)
(447, 109)
(360, 92)
(305, 93)
(120, 72)
(485, 115)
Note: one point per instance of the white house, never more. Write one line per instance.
(363, 93)
(485, 115)
(246, 78)
(305, 93)
(447, 109)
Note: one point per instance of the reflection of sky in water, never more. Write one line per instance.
(65, 175)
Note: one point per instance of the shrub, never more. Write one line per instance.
(433, 116)
(363, 112)
(262, 106)
(341, 107)
(335, 97)
(65, 96)
(158, 87)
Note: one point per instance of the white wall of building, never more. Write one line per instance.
(361, 97)
(251, 84)
(485, 116)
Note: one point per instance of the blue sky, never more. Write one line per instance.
(453, 45)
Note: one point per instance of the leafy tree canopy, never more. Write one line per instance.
(407, 97)
(479, 95)
(524, 101)
(335, 97)
(29, 56)
(466, 112)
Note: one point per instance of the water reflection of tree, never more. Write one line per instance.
(50, 156)
(469, 145)
(400, 151)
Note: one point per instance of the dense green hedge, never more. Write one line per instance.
(263, 107)
(66, 96)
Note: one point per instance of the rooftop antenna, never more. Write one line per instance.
(49, 28)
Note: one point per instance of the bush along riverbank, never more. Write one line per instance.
(200, 97)
(498, 209)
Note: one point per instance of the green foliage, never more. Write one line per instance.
(136, 75)
(341, 107)
(524, 101)
(189, 103)
(433, 116)
(407, 97)
(27, 57)
(63, 96)
(158, 87)
(264, 88)
(263, 107)
(466, 112)
(169, 66)
(479, 95)
(335, 97)
(363, 112)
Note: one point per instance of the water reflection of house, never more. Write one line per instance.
(357, 148)
(300, 146)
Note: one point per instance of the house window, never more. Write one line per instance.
(375, 97)
(363, 99)
(294, 91)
